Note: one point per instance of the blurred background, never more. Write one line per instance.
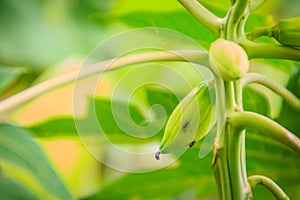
(41, 39)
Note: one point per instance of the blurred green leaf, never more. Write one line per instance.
(39, 33)
(56, 127)
(255, 101)
(8, 76)
(185, 23)
(217, 7)
(254, 4)
(24, 165)
(256, 20)
(163, 97)
(190, 174)
(66, 127)
(270, 158)
(289, 117)
(12, 190)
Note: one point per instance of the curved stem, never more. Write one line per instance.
(237, 12)
(241, 25)
(203, 15)
(263, 50)
(272, 85)
(194, 56)
(258, 32)
(266, 126)
(269, 184)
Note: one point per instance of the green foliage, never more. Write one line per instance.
(168, 182)
(104, 115)
(9, 76)
(25, 170)
(255, 101)
(38, 34)
(184, 175)
(185, 23)
(289, 117)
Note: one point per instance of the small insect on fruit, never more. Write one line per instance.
(157, 155)
(190, 121)
(192, 144)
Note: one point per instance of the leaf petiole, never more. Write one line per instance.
(269, 184)
(272, 85)
(266, 126)
(195, 56)
(263, 50)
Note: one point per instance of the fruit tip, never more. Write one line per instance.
(157, 155)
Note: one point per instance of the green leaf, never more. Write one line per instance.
(270, 158)
(277, 70)
(38, 33)
(25, 171)
(56, 127)
(255, 101)
(254, 4)
(289, 117)
(257, 20)
(163, 97)
(8, 76)
(188, 174)
(66, 127)
(185, 23)
(264, 156)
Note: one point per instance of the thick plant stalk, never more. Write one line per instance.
(288, 96)
(220, 169)
(269, 184)
(237, 170)
(200, 57)
(235, 146)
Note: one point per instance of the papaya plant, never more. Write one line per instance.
(220, 108)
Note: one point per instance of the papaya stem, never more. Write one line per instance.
(269, 184)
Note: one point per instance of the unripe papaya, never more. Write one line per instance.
(190, 121)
